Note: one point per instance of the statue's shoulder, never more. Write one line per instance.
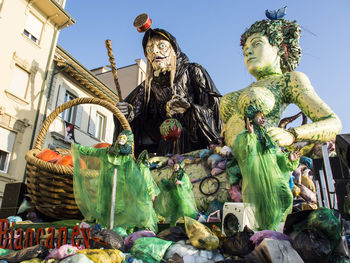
(297, 78)
(228, 104)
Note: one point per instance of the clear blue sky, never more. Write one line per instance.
(209, 33)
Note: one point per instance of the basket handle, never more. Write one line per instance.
(44, 128)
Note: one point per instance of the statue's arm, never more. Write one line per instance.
(86, 150)
(325, 123)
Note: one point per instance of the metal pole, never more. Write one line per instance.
(329, 178)
(114, 188)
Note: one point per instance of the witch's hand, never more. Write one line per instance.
(281, 136)
(177, 105)
(123, 107)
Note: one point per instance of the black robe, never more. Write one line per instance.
(201, 122)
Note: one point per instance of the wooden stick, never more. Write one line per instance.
(108, 44)
(114, 188)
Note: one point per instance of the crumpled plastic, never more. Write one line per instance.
(37, 251)
(150, 249)
(130, 240)
(205, 153)
(324, 221)
(235, 193)
(62, 252)
(313, 247)
(103, 255)
(258, 237)
(307, 194)
(200, 236)
(214, 160)
(192, 254)
(77, 258)
(306, 180)
(111, 238)
(173, 234)
(120, 231)
(240, 244)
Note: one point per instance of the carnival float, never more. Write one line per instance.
(192, 176)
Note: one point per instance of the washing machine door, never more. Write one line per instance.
(231, 224)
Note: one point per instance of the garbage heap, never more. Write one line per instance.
(308, 236)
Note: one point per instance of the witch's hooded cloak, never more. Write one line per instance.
(201, 122)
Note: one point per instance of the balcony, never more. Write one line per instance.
(54, 10)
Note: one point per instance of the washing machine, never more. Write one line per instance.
(235, 217)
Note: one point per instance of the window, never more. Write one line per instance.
(4, 161)
(6, 147)
(72, 115)
(69, 114)
(33, 28)
(100, 123)
(19, 82)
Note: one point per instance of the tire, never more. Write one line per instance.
(209, 185)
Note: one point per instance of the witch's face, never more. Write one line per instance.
(260, 55)
(159, 53)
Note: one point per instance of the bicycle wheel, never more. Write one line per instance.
(209, 185)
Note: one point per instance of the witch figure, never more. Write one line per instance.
(176, 88)
(176, 198)
(93, 188)
(265, 172)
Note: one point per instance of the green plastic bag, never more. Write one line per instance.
(324, 220)
(120, 231)
(150, 249)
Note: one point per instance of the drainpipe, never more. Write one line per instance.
(52, 50)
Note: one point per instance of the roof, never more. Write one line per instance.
(84, 76)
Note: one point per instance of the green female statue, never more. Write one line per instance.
(271, 53)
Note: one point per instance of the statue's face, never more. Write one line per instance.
(259, 119)
(176, 167)
(259, 54)
(159, 53)
(122, 139)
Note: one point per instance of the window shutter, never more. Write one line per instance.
(8, 140)
(60, 97)
(78, 116)
(109, 129)
(19, 82)
(34, 26)
(92, 119)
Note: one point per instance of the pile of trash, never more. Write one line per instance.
(308, 236)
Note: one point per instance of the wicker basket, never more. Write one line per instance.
(50, 186)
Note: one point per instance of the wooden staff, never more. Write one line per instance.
(108, 44)
(114, 190)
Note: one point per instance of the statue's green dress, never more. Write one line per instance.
(265, 176)
(175, 201)
(133, 204)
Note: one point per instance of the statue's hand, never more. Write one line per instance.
(177, 105)
(281, 136)
(123, 107)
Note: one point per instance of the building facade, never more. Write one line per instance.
(129, 77)
(91, 123)
(30, 30)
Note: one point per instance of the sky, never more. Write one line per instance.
(208, 32)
